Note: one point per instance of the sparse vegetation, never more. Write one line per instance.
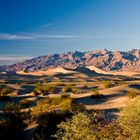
(44, 89)
(23, 84)
(67, 88)
(50, 104)
(132, 93)
(25, 103)
(61, 114)
(5, 93)
(65, 95)
(96, 94)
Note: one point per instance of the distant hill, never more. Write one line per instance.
(102, 59)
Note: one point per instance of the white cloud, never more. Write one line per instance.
(8, 36)
(13, 58)
(45, 25)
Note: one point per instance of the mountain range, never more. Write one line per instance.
(102, 59)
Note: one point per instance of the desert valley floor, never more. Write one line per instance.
(114, 87)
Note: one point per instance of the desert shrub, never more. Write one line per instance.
(65, 95)
(50, 104)
(37, 84)
(85, 86)
(75, 90)
(42, 90)
(132, 93)
(130, 119)
(13, 125)
(67, 88)
(11, 107)
(79, 127)
(96, 94)
(48, 125)
(24, 103)
(14, 93)
(110, 131)
(5, 93)
(5, 90)
(77, 107)
(23, 84)
(106, 84)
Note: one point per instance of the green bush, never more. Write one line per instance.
(130, 119)
(79, 127)
(50, 104)
(43, 90)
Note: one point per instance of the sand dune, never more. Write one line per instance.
(125, 73)
(49, 72)
(122, 73)
(97, 70)
(62, 70)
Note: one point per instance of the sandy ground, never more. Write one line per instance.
(113, 98)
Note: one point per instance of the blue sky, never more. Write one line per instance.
(31, 28)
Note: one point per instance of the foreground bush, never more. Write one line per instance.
(48, 125)
(130, 119)
(79, 127)
(13, 123)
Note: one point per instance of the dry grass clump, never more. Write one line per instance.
(108, 84)
(132, 93)
(96, 94)
(5, 92)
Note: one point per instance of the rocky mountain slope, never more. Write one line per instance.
(103, 59)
